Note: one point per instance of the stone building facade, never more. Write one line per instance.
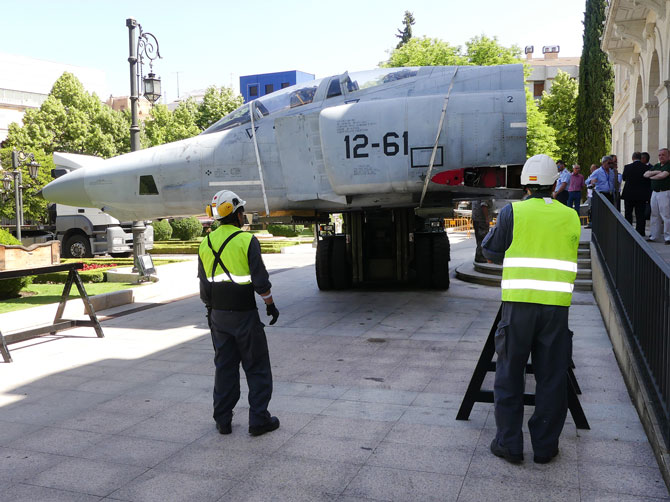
(636, 39)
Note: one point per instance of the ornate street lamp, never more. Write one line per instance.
(18, 158)
(145, 46)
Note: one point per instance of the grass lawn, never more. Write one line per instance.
(51, 293)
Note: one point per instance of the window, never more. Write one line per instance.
(148, 185)
(269, 88)
(284, 85)
(334, 88)
(538, 88)
(253, 91)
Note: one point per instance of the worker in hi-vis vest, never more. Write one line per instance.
(536, 242)
(231, 269)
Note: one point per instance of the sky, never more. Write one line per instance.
(204, 43)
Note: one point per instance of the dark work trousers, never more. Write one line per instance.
(541, 331)
(481, 229)
(240, 337)
(639, 207)
(562, 197)
(575, 200)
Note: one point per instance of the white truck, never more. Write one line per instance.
(84, 232)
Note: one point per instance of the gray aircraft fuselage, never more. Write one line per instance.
(336, 144)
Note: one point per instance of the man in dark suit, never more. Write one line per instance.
(636, 192)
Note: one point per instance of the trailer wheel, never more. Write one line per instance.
(422, 260)
(77, 246)
(440, 261)
(323, 252)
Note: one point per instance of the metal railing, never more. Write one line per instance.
(639, 280)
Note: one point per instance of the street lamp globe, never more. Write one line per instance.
(33, 169)
(152, 87)
(6, 182)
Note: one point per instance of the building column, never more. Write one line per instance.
(663, 95)
(636, 126)
(649, 115)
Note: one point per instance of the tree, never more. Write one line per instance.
(595, 101)
(71, 120)
(217, 103)
(166, 126)
(425, 51)
(560, 109)
(540, 137)
(406, 33)
(485, 51)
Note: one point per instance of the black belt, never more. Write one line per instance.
(662, 190)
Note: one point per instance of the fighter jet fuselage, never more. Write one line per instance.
(336, 144)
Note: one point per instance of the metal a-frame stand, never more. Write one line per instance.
(59, 324)
(475, 394)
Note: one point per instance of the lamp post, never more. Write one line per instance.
(144, 46)
(19, 157)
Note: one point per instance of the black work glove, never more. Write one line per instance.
(272, 311)
(208, 315)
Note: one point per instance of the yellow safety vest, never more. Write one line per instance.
(540, 265)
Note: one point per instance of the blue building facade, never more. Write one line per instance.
(255, 86)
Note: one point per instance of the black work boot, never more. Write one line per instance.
(269, 426)
(502, 452)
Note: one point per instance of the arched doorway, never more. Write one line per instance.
(651, 106)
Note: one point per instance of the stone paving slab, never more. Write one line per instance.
(367, 386)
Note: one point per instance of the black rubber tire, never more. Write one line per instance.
(440, 261)
(340, 272)
(422, 260)
(77, 246)
(323, 253)
(126, 254)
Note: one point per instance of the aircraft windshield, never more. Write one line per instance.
(290, 97)
(358, 81)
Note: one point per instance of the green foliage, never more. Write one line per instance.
(34, 209)
(406, 33)
(485, 51)
(10, 288)
(540, 138)
(595, 101)
(285, 230)
(88, 276)
(166, 126)
(560, 109)
(71, 120)
(186, 229)
(215, 224)
(216, 104)
(162, 230)
(425, 51)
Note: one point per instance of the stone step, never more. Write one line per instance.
(469, 273)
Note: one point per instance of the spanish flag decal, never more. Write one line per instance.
(532, 178)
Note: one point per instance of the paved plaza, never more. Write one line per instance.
(366, 385)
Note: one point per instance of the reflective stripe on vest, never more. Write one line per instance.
(540, 265)
(234, 255)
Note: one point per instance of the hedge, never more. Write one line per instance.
(162, 230)
(186, 229)
(10, 288)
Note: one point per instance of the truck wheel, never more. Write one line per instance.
(77, 246)
(323, 252)
(340, 272)
(422, 260)
(440, 273)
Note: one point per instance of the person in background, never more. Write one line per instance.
(589, 194)
(660, 197)
(636, 192)
(575, 188)
(605, 179)
(561, 191)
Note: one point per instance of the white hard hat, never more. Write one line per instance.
(224, 203)
(539, 170)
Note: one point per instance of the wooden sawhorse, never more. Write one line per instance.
(59, 324)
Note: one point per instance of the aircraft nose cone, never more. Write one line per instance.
(68, 189)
